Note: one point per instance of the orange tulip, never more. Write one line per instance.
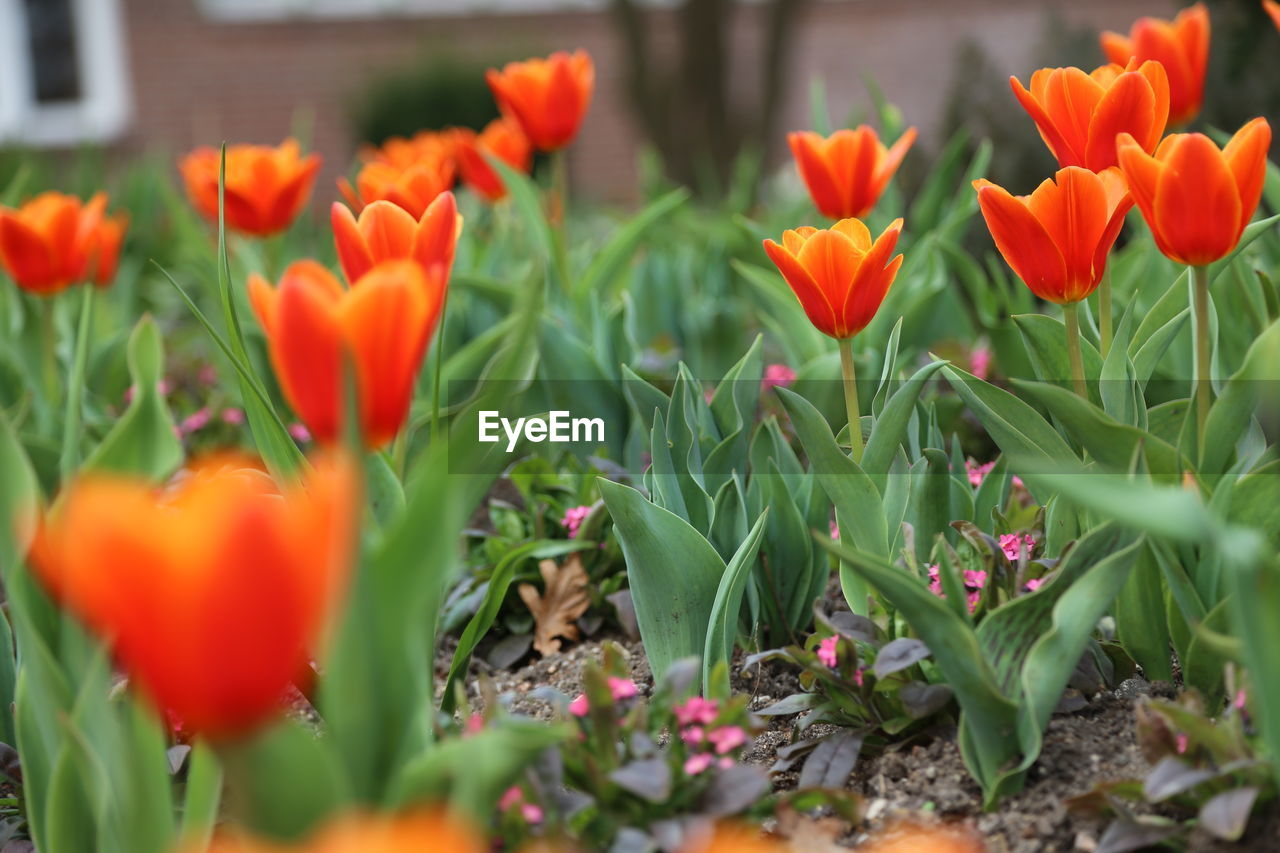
(1057, 239)
(1079, 115)
(848, 171)
(547, 97)
(1181, 46)
(423, 145)
(55, 240)
(384, 323)
(925, 838)
(734, 838)
(412, 186)
(213, 592)
(503, 139)
(839, 275)
(1196, 198)
(385, 232)
(266, 188)
(1273, 9)
(428, 831)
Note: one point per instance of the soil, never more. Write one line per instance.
(926, 781)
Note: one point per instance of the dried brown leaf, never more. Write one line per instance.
(564, 598)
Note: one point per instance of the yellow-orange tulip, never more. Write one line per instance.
(547, 97)
(502, 138)
(412, 186)
(839, 275)
(1197, 198)
(1180, 45)
(427, 832)
(847, 172)
(383, 324)
(266, 187)
(213, 592)
(1057, 239)
(1079, 115)
(55, 240)
(384, 232)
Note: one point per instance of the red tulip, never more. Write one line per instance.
(1180, 45)
(213, 592)
(839, 275)
(1197, 198)
(502, 139)
(266, 188)
(1057, 239)
(547, 97)
(55, 240)
(848, 171)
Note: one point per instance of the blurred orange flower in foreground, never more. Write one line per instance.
(212, 591)
(266, 187)
(848, 171)
(547, 97)
(412, 185)
(839, 275)
(921, 838)
(1197, 198)
(55, 240)
(384, 232)
(434, 831)
(1180, 45)
(735, 838)
(383, 323)
(1079, 115)
(502, 138)
(1273, 9)
(1057, 239)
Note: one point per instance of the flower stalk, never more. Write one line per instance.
(1071, 313)
(1202, 388)
(1104, 312)
(851, 398)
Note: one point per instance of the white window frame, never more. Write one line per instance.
(274, 10)
(103, 109)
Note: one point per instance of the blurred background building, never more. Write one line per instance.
(698, 80)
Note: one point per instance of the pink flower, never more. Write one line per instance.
(727, 738)
(622, 688)
(777, 376)
(935, 582)
(579, 707)
(692, 735)
(195, 421)
(827, 651)
(573, 518)
(835, 530)
(857, 676)
(974, 581)
(299, 432)
(696, 711)
(977, 473)
(1011, 544)
(510, 798)
(1181, 741)
(725, 763)
(208, 374)
(695, 764)
(980, 362)
(475, 723)
(531, 813)
(233, 417)
(1033, 584)
(1240, 700)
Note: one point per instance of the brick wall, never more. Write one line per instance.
(197, 80)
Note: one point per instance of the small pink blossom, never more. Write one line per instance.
(935, 582)
(695, 764)
(233, 417)
(1033, 584)
(827, 651)
(693, 735)
(727, 738)
(980, 362)
(475, 724)
(1011, 544)
(857, 676)
(725, 763)
(531, 813)
(579, 707)
(835, 530)
(208, 375)
(974, 581)
(299, 432)
(1181, 741)
(777, 376)
(622, 688)
(195, 421)
(510, 798)
(1240, 699)
(696, 711)
(573, 518)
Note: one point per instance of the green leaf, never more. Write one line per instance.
(1234, 409)
(202, 797)
(19, 493)
(70, 456)
(1046, 342)
(1163, 511)
(142, 441)
(674, 575)
(1141, 624)
(888, 430)
(723, 623)
(610, 259)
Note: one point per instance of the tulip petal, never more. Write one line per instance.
(1128, 105)
(815, 171)
(852, 156)
(1197, 204)
(1071, 96)
(1142, 173)
(816, 304)
(1117, 48)
(893, 159)
(871, 282)
(353, 252)
(291, 196)
(1023, 241)
(1246, 156)
(436, 234)
(1156, 39)
(306, 351)
(1058, 144)
(26, 256)
(1074, 213)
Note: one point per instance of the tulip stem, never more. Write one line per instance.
(70, 457)
(851, 398)
(1071, 313)
(1203, 388)
(1104, 311)
(557, 212)
(49, 353)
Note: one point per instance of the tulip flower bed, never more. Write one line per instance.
(476, 518)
